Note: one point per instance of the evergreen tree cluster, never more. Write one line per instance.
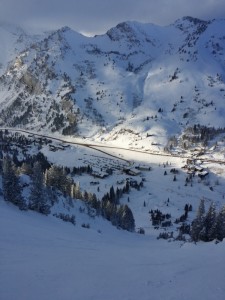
(83, 169)
(184, 229)
(46, 182)
(114, 196)
(39, 194)
(184, 216)
(12, 191)
(200, 134)
(210, 225)
(9, 140)
(158, 218)
(119, 215)
(57, 177)
(165, 235)
(66, 218)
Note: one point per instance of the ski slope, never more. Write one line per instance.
(44, 258)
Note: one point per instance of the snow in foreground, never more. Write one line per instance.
(44, 258)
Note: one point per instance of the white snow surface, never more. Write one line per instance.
(44, 258)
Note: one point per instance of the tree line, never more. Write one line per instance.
(47, 181)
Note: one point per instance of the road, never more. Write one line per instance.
(96, 147)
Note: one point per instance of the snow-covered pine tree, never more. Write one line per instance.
(77, 191)
(38, 194)
(119, 194)
(72, 191)
(85, 196)
(198, 222)
(10, 183)
(68, 182)
(57, 177)
(113, 214)
(108, 211)
(127, 219)
(126, 188)
(220, 224)
(112, 195)
(208, 232)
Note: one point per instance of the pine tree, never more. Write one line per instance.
(186, 208)
(10, 183)
(95, 203)
(7, 179)
(127, 187)
(109, 209)
(57, 177)
(52, 195)
(85, 196)
(53, 176)
(119, 194)
(220, 224)
(126, 218)
(112, 195)
(72, 191)
(198, 222)
(208, 232)
(77, 192)
(38, 195)
(113, 215)
(119, 215)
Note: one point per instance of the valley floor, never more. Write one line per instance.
(45, 258)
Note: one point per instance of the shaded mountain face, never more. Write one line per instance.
(138, 78)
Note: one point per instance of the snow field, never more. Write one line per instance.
(44, 258)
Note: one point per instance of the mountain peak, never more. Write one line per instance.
(120, 31)
(191, 21)
(188, 24)
(64, 29)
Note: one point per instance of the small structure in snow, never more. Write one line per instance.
(100, 175)
(132, 172)
(143, 168)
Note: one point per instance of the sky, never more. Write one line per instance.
(97, 16)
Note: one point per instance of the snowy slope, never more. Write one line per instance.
(43, 258)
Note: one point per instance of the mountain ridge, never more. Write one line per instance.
(150, 79)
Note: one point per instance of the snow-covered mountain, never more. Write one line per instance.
(139, 80)
(138, 85)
